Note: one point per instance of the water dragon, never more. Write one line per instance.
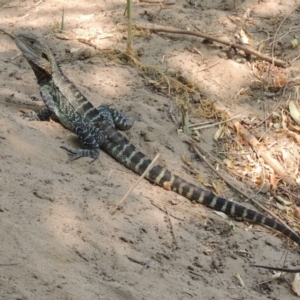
(97, 128)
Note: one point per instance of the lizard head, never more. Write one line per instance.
(38, 56)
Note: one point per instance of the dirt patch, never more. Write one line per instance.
(58, 239)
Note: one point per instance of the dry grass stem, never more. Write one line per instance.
(134, 186)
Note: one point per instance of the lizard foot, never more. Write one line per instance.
(77, 153)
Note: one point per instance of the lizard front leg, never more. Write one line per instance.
(45, 113)
(89, 135)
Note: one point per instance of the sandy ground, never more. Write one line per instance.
(57, 237)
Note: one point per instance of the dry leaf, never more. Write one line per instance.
(186, 161)
(297, 212)
(239, 278)
(273, 182)
(281, 207)
(167, 185)
(218, 134)
(72, 50)
(221, 214)
(295, 114)
(283, 201)
(294, 43)
(279, 81)
(294, 127)
(244, 37)
(296, 284)
(229, 163)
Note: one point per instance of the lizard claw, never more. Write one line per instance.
(77, 153)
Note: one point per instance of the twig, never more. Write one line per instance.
(145, 266)
(195, 273)
(79, 254)
(131, 189)
(219, 277)
(208, 67)
(158, 28)
(135, 260)
(197, 126)
(172, 228)
(173, 115)
(3, 31)
(195, 146)
(197, 214)
(273, 46)
(86, 41)
(278, 104)
(290, 193)
(158, 12)
(294, 59)
(111, 171)
(163, 210)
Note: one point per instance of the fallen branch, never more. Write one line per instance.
(159, 28)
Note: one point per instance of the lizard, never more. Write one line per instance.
(98, 128)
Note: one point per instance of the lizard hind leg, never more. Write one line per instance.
(91, 138)
(115, 118)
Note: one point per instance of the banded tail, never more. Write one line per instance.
(123, 151)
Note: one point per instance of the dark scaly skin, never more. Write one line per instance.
(96, 127)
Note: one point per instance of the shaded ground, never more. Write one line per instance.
(57, 237)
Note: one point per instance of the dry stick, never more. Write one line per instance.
(290, 193)
(158, 28)
(131, 189)
(3, 31)
(209, 124)
(196, 214)
(164, 211)
(220, 277)
(158, 12)
(195, 146)
(276, 107)
(208, 67)
(172, 228)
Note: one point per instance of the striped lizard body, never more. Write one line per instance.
(96, 128)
